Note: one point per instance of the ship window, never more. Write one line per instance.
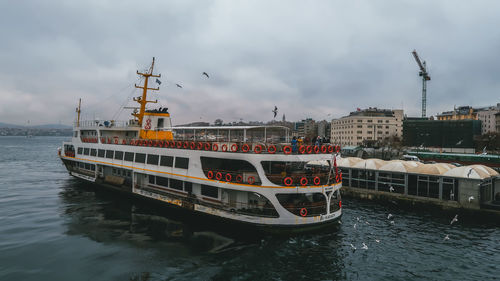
(210, 191)
(188, 186)
(109, 154)
(160, 123)
(119, 155)
(162, 181)
(176, 184)
(181, 162)
(86, 151)
(229, 165)
(129, 156)
(93, 152)
(314, 203)
(80, 150)
(153, 159)
(167, 161)
(75, 134)
(151, 179)
(140, 158)
(101, 152)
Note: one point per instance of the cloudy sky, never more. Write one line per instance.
(317, 59)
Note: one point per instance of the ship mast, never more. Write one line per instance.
(143, 100)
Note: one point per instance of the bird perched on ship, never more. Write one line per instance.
(455, 219)
(206, 74)
(179, 86)
(275, 111)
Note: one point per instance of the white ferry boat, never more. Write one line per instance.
(244, 174)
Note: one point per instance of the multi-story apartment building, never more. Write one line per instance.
(459, 113)
(370, 124)
(488, 120)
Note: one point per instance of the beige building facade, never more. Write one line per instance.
(488, 120)
(370, 124)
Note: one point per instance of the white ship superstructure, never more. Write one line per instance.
(249, 174)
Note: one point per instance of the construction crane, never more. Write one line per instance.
(425, 77)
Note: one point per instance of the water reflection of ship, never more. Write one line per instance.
(98, 215)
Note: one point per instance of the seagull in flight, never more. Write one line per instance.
(206, 74)
(391, 189)
(179, 86)
(447, 237)
(353, 248)
(471, 198)
(389, 216)
(455, 219)
(275, 111)
(364, 246)
(470, 171)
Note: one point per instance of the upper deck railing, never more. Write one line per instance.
(105, 124)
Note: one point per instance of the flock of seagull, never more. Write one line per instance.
(179, 85)
(390, 217)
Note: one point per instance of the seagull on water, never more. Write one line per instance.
(357, 218)
(355, 226)
(447, 237)
(392, 222)
(455, 219)
(376, 240)
(353, 248)
(364, 246)
(471, 198)
(206, 74)
(389, 216)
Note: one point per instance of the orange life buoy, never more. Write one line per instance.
(228, 177)
(271, 149)
(251, 180)
(316, 149)
(324, 149)
(287, 149)
(303, 212)
(150, 143)
(224, 147)
(337, 148)
(340, 204)
(309, 149)
(302, 149)
(210, 174)
(303, 181)
(124, 142)
(218, 176)
(330, 149)
(179, 144)
(208, 146)
(288, 181)
(215, 147)
(257, 149)
(245, 148)
(234, 147)
(172, 144)
(199, 146)
(239, 178)
(316, 180)
(109, 140)
(337, 178)
(103, 140)
(192, 145)
(186, 145)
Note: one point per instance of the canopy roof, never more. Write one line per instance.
(444, 169)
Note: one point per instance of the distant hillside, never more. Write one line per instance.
(5, 125)
(47, 126)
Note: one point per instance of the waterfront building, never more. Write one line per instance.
(305, 128)
(471, 187)
(367, 125)
(418, 132)
(324, 129)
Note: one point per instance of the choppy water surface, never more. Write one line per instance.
(54, 227)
